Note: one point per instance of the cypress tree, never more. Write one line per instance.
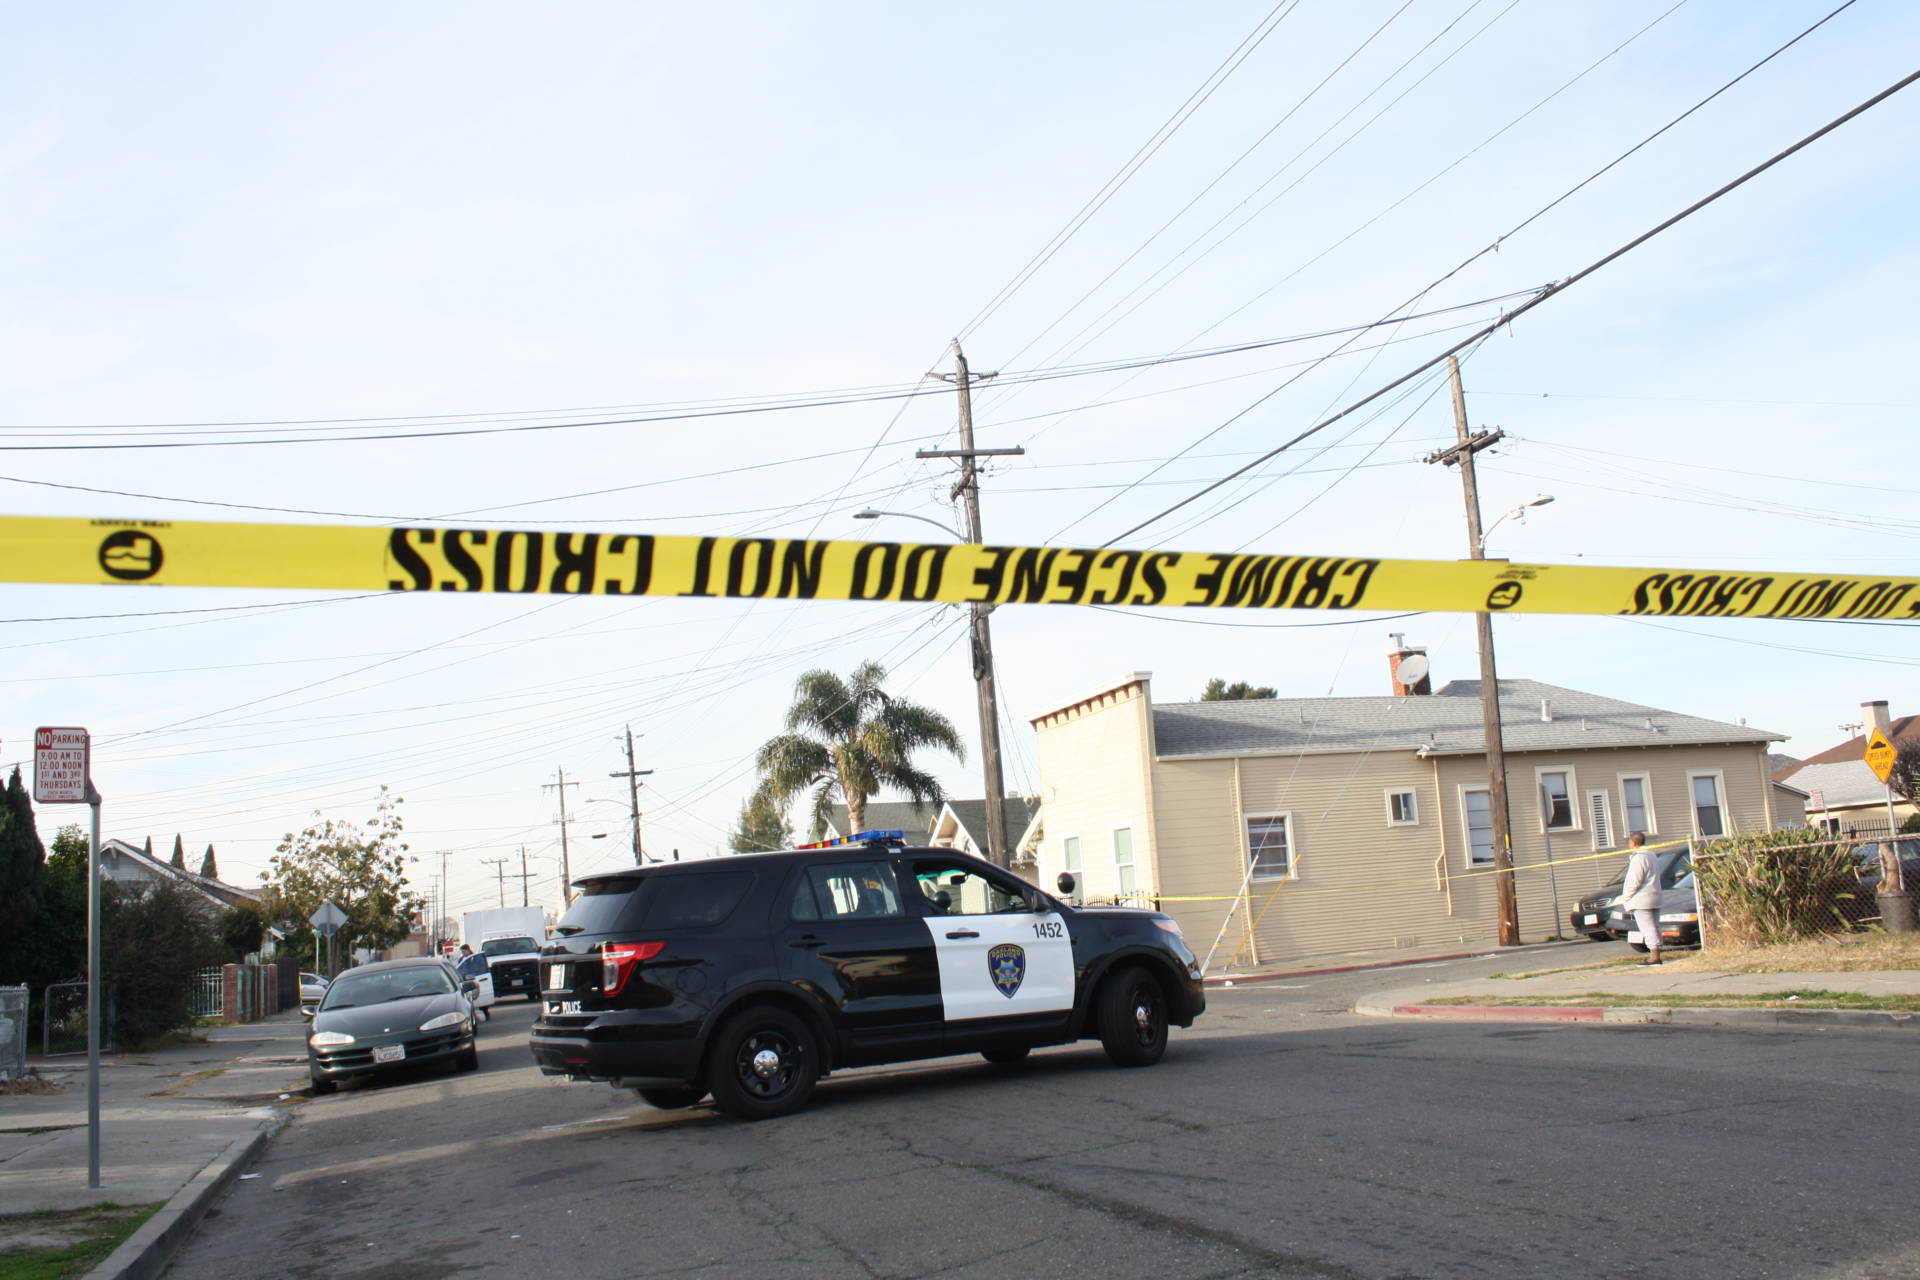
(22, 874)
(208, 867)
(179, 852)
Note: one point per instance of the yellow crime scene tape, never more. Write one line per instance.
(37, 549)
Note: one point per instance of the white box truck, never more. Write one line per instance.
(510, 938)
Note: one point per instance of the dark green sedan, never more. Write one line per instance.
(390, 1016)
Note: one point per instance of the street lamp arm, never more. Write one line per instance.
(869, 513)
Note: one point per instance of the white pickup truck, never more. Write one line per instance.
(510, 938)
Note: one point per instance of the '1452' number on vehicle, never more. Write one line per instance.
(1048, 929)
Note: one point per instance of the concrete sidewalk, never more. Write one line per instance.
(1557, 997)
(175, 1126)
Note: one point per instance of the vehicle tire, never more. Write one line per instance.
(1005, 1057)
(1637, 946)
(319, 1085)
(762, 1063)
(1131, 1017)
(1599, 937)
(670, 1098)
(468, 1061)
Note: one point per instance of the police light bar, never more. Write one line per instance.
(859, 837)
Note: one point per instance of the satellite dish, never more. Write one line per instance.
(1413, 669)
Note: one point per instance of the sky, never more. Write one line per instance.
(331, 265)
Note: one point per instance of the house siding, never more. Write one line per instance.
(1361, 882)
(1094, 759)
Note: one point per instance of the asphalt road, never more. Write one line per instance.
(1281, 1137)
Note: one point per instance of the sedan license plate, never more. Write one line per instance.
(1589, 919)
(563, 1006)
(389, 1052)
(1633, 935)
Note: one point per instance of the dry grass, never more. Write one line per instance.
(1851, 953)
(31, 1082)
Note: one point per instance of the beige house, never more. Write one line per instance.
(1333, 825)
(1843, 795)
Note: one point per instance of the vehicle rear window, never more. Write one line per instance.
(682, 901)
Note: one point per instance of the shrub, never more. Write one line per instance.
(1762, 890)
(155, 941)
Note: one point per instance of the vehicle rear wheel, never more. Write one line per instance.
(319, 1085)
(1131, 1017)
(669, 1098)
(1002, 1057)
(763, 1063)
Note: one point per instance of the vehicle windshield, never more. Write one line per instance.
(509, 946)
(354, 989)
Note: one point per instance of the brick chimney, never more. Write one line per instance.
(1397, 657)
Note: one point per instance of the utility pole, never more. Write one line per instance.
(1467, 444)
(633, 776)
(566, 863)
(500, 877)
(968, 489)
(523, 877)
(445, 902)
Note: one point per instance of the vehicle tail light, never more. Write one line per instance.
(618, 961)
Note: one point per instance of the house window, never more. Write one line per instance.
(1070, 859)
(1600, 819)
(1270, 843)
(1476, 806)
(1636, 802)
(1556, 799)
(1402, 811)
(1123, 858)
(1709, 804)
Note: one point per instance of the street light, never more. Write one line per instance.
(982, 637)
(1538, 500)
(868, 513)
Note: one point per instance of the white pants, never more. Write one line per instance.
(1648, 919)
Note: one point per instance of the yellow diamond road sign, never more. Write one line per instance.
(1879, 755)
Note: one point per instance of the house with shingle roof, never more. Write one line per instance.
(1284, 828)
(1843, 794)
(132, 866)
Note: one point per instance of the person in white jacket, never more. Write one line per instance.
(1640, 894)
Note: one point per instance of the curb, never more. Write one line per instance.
(1227, 979)
(145, 1253)
(1813, 1019)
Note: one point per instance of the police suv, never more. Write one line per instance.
(749, 978)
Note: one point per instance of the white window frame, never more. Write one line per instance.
(1075, 865)
(1413, 806)
(1125, 881)
(1646, 792)
(1466, 827)
(1541, 808)
(1604, 836)
(1293, 844)
(1719, 777)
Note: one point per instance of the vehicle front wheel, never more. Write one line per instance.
(1002, 1057)
(1637, 946)
(468, 1061)
(319, 1085)
(1132, 1018)
(1599, 937)
(762, 1064)
(669, 1098)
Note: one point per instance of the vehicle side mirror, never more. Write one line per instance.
(308, 1010)
(470, 987)
(1066, 882)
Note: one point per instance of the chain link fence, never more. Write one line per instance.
(15, 1027)
(63, 1027)
(1793, 885)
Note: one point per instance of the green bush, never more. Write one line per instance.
(155, 940)
(1761, 890)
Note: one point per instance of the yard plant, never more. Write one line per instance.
(1763, 890)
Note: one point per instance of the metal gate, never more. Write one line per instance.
(208, 1001)
(63, 1029)
(14, 1030)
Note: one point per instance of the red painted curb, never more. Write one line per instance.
(1225, 978)
(1524, 1012)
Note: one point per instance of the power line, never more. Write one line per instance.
(1550, 291)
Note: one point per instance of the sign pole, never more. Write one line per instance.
(93, 992)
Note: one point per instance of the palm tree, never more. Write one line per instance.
(851, 738)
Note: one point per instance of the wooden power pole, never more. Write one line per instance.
(968, 489)
(633, 776)
(566, 863)
(1467, 444)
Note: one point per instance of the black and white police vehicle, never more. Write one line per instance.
(751, 977)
